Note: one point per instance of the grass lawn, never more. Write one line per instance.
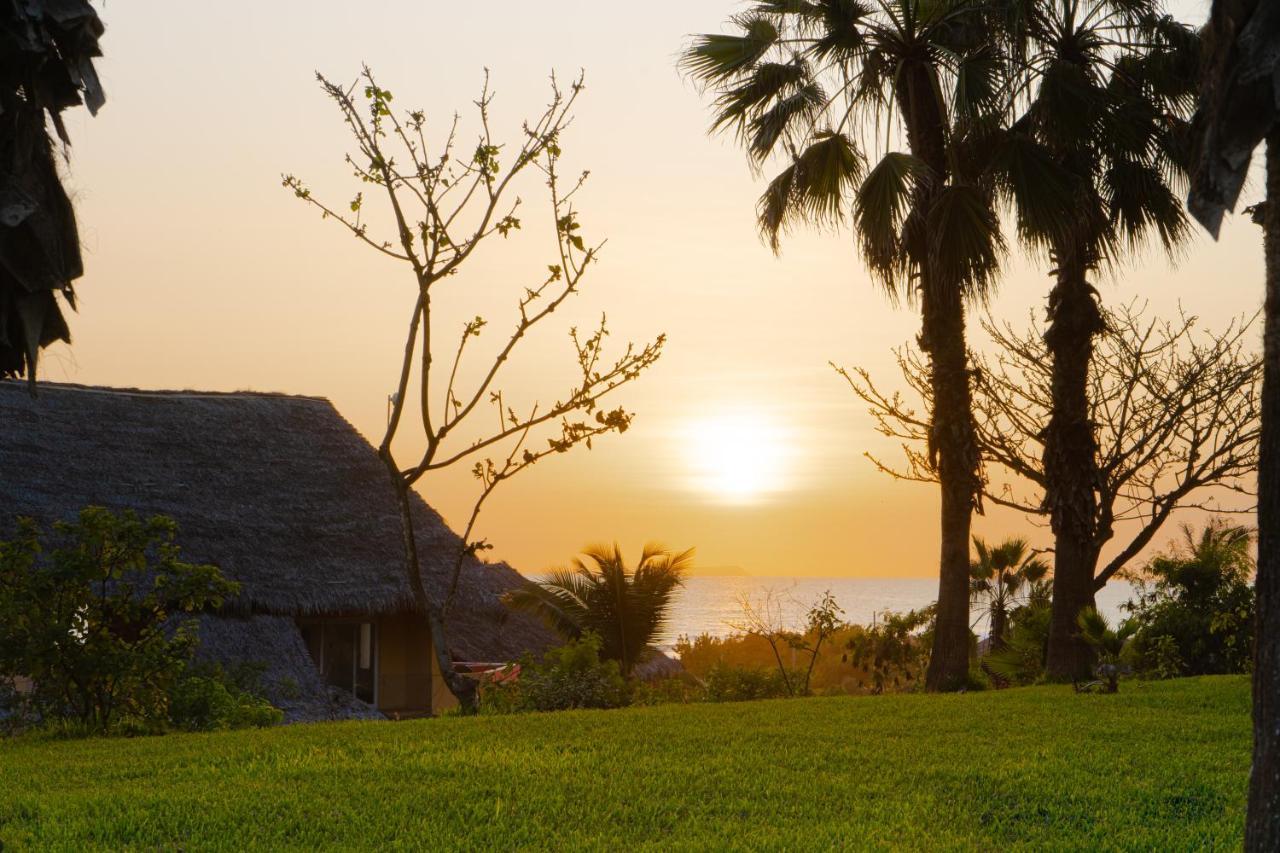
(1162, 765)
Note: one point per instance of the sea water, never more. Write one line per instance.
(711, 605)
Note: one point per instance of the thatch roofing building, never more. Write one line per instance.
(285, 497)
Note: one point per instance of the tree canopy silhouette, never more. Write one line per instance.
(47, 50)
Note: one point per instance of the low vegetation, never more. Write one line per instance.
(908, 771)
(95, 620)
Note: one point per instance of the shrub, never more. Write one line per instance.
(1021, 660)
(567, 677)
(673, 690)
(894, 652)
(1196, 618)
(207, 699)
(91, 620)
(742, 683)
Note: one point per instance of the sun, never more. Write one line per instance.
(736, 458)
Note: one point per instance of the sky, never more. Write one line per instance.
(204, 273)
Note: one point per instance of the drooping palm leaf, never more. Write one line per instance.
(626, 609)
(46, 66)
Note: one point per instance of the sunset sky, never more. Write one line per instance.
(203, 273)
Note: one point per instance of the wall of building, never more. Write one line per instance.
(405, 665)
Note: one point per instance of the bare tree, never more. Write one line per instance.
(444, 203)
(1174, 410)
(765, 618)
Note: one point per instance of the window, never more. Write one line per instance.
(345, 652)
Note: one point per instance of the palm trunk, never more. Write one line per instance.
(1262, 824)
(999, 627)
(1070, 465)
(953, 447)
(462, 687)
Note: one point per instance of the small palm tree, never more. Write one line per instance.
(626, 608)
(1001, 578)
(1108, 644)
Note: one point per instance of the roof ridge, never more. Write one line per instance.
(21, 386)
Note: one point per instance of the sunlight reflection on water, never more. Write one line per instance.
(708, 604)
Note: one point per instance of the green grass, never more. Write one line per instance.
(1160, 766)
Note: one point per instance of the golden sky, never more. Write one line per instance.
(202, 272)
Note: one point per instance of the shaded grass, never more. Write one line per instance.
(1162, 765)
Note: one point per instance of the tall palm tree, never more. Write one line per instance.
(1239, 107)
(823, 85)
(1109, 88)
(1000, 578)
(46, 66)
(626, 608)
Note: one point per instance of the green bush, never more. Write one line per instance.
(208, 699)
(741, 683)
(673, 690)
(1195, 616)
(567, 677)
(89, 615)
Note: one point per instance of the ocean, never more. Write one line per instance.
(708, 605)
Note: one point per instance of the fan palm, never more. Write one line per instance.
(1108, 96)
(1000, 579)
(1239, 107)
(1109, 644)
(46, 65)
(821, 85)
(627, 609)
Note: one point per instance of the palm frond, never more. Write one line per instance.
(882, 203)
(965, 243)
(713, 58)
(796, 111)
(814, 188)
(765, 82)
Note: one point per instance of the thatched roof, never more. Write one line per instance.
(289, 679)
(279, 491)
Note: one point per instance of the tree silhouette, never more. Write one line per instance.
(47, 50)
(443, 207)
(626, 608)
(1239, 107)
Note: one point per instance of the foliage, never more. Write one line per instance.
(763, 619)
(894, 651)
(1111, 646)
(627, 609)
(1197, 618)
(1001, 579)
(569, 676)
(1022, 658)
(440, 204)
(1161, 767)
(743, 683)
(678, 689)
(208, 698)
(46, 67)
(88, 615)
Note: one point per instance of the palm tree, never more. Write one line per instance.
(1109, 98)
(1000, 579)
(821, 85)
(46, 66)
(1239, 107)
(626, 608)
(1107, 643)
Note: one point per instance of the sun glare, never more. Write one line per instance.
(736, 458)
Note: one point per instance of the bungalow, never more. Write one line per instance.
(288, 499)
